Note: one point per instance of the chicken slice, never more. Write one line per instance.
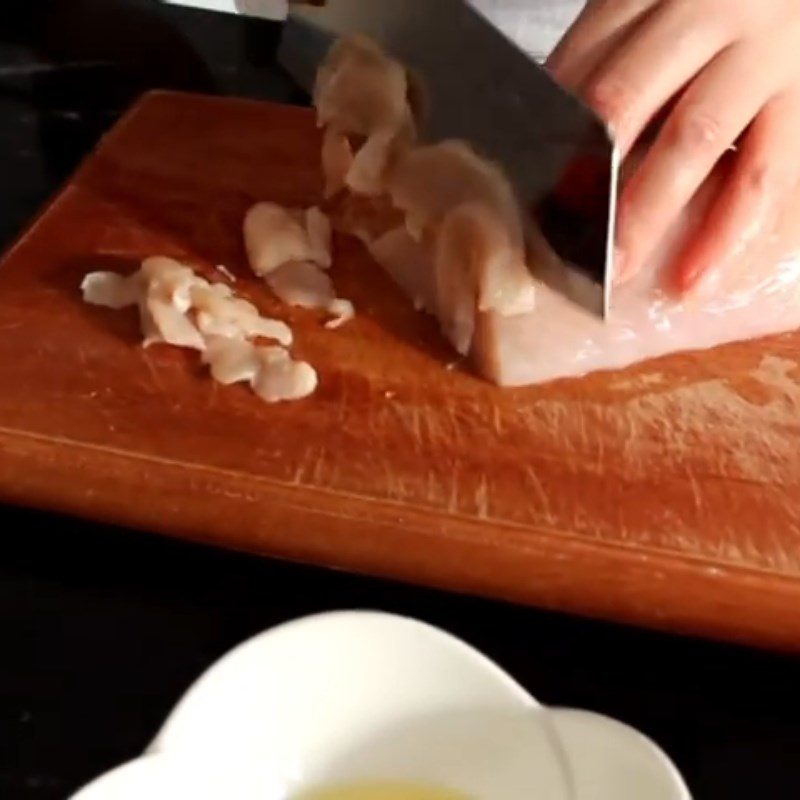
(220, 313)
(178, 307)
(111, 290)
(305, 285)
(362, 92)
(270, 371)
(430, 181)
(341, 312)
(274, 235)
(164, 300)
(169, 281)
(320, 235)
(366, 218)
(337, 161)
(371, 164)
(164, 323)
(447, 190)
(231, 361)
(280, 378)
(410, 264)
(302, 284)
(171, 299)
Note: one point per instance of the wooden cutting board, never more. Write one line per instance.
(666, 495)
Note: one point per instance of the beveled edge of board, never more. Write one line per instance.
(355, 533)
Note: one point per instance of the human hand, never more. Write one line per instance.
(721, 73)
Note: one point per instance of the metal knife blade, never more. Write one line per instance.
(482, 88)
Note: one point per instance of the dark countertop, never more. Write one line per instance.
(104, 629)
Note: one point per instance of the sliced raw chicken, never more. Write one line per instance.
(371, 164)
(318, 229)
(464, 253)
(111, 290)
(448, 190)
(280, 378)
(179, 308)
(274, 235)
(410, 264)
(341, 311)
(470, 254)
(271, 372)
(170, 281)
(271, 234)
(430, 181)
(164, 303)
(164, 323)
(366, 218)
(219, 312)
(337, 161)
(361, 92)
(303, 284)
(231, 361)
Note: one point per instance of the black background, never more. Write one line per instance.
(103, 629)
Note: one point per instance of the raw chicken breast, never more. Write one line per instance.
(464, 255)
(758, 297)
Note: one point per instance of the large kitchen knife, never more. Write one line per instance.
(482, 88)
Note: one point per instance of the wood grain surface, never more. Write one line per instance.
(667, 495)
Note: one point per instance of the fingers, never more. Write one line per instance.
(672, 45)
(709, 118)
(749, 206)
(709, 68)
(598, 31)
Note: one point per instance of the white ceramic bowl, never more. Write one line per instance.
(352, 696)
